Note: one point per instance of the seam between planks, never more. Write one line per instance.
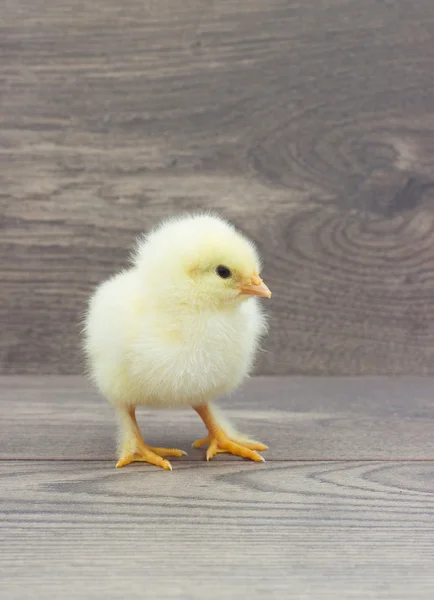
(220, 461)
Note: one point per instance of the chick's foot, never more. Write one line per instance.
(222, 443)
(133, 447)
(154, 456)
(219, 441)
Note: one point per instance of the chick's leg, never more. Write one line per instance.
(219, 441)
(134, 449)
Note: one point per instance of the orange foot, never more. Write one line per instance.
(220, 442)
(151, 455)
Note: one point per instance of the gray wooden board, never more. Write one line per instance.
(335, 530)
(309, 124)
(300, 418)
(300, 529)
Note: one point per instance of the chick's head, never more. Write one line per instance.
(199, 261)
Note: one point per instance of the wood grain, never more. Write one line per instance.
(283, 530)
(310, 125)
(299, 418)
(303, 529)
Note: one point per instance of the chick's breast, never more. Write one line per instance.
(138, 354)
(191, 358)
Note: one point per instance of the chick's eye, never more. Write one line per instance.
(223, 272)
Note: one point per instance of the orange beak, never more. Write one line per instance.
(256, 288)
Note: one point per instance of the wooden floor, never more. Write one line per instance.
(343, 508)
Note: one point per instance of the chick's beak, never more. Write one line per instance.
(256, 288)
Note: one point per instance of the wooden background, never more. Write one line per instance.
(310, 125)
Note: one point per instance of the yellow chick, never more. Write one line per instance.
(180, 327)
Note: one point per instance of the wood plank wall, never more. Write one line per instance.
(309, 124)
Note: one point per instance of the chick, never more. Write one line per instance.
(179, 328)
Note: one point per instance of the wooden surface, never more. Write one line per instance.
(309, 124)
(320, 519)
(282, 530)
(300, 418)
